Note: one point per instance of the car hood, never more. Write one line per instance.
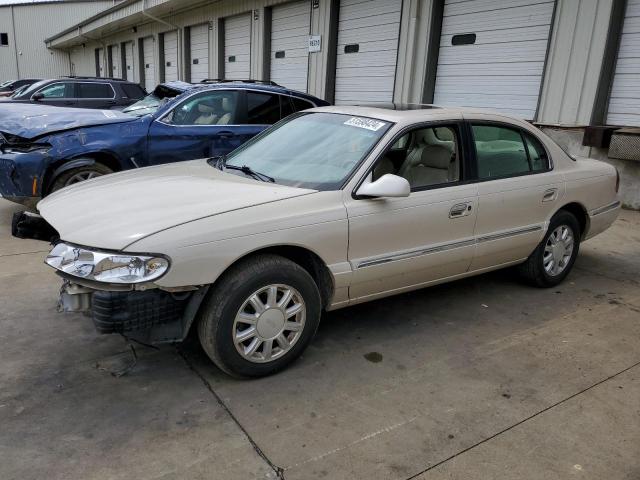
(28, 121)
(114, 211)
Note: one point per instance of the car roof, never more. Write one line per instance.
(414, 113)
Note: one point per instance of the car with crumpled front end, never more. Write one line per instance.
(44, 149)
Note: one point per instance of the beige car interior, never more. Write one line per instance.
(430, 159)
(214, 111)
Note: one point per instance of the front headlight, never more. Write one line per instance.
(106, 267)
(24, 147)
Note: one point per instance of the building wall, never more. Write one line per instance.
(28, 26)
(574, 61)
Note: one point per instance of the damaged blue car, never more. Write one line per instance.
(44, 149)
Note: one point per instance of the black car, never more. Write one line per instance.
(81, 92)
(10, 86)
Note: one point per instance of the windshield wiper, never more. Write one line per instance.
(221, 163)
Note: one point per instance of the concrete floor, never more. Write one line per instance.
(482, 378)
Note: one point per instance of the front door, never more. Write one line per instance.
(59, 94)
(517, 192)
(204, 125)
(398, 244)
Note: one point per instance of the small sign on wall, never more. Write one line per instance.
(315, 43)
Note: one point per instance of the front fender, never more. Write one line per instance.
(65, 167)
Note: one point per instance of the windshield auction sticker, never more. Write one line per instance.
(367, 123)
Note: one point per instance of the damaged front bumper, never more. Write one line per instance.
(150, 316)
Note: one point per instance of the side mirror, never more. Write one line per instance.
(37, 96)
(386, 186)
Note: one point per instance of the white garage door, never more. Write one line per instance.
(170, 56)
(624, 100)
(367, 51)
(101, 71)
(290, 25)
(149, 66)
(129, 68)
(199, 52)
(493, 57)
(116, 68)
(237, 47)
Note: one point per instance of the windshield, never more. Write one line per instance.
(19, 91)
(160, 96)
(33, 87)
(313, 150)
(147, 105)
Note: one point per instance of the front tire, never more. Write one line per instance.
(554, 257)
(260, 316)
(80, 174)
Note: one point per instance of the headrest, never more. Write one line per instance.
(227, 104)
(205, 108)
(435, 156)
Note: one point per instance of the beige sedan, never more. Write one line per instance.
(328, 208)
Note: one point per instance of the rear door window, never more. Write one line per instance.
(95, 90)
(500, 151)
(262, 108)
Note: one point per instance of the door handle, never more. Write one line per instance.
(224, 134)
(460, 210)
(549, 195)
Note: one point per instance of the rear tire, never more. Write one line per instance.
(260, 316)
(80, 174)
(553, 258)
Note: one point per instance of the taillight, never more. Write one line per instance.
(617, 180)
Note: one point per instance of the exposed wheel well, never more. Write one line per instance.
(581, 215)
(105, 159)
(308, 260)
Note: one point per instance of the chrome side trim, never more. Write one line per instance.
(447, 246)
(416, 253)
(510, 233)
(605, 209)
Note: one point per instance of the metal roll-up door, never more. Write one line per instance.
(170, 49)
(624, 99)
(237, 47)
(492, 54)
(199, 52)
(148, 64)
(101, 71)
(116, 68)
(128, 62)
(367, 51)
(290, 25)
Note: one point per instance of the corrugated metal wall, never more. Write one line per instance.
(27, 55)
(574, 61)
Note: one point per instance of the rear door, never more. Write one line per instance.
(96, 95)
(517, 192)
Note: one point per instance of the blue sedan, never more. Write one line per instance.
(43, 149)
